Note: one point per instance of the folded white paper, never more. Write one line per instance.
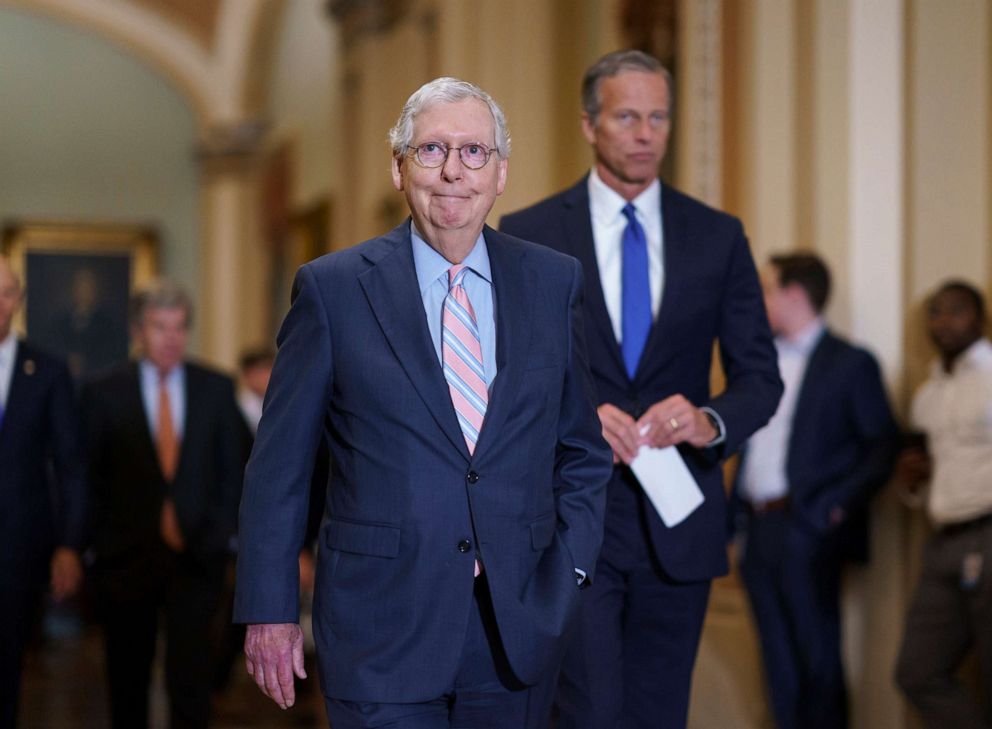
(668, 483)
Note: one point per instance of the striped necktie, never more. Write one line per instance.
(461, 357)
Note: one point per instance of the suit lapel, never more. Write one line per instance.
(675, 255)
(513, 331)
(194, 396)
(390, 285)
(18, 395)
(581, 244)
(815, 373)
(133, 407)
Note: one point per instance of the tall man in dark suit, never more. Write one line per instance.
(803, 490)
(167, 447)
(666, 278)
(446, 363)
(40, 537)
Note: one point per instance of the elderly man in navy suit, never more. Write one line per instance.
(447, 366)
(40, 536)
(803, 490)
(666, 277)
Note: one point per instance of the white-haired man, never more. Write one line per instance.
(465, 506)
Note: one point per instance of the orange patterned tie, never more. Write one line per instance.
(166, 442)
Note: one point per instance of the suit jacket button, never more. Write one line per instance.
(472, 477)
(464, 545)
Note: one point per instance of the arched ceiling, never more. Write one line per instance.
(212, 50)
(199, 18)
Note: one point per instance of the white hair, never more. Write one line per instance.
(445, 90)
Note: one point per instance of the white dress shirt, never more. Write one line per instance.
(764, 477)
(432, 276)
(175, 385)
(608, 223)
(955, 411)
(250, 404)
(8, 354)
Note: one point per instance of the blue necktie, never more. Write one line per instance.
(636, 298)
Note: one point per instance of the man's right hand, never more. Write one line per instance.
(912, 470)
(273, 653)
(620, 431)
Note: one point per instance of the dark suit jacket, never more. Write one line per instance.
(408, 506)
(126, 481)
(39, 432)
(842, 444)
(711, 293)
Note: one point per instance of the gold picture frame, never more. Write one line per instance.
(78, 278)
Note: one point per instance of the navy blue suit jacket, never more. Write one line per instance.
(711, 294)
(842, 444)
(408, 509)
(39, 430)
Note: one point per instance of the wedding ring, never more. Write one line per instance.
(674, 423)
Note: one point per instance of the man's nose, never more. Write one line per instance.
(452, 168)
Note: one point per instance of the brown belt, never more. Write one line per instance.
(766, 507)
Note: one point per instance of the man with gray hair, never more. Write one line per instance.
(445, 365)
(666, 277)
(167, 447)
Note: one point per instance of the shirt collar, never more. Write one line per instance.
(7, 343)
(149, 372)
(805, 341)
(606, 204)
(8, 347)
(431, 265)
(979, 354)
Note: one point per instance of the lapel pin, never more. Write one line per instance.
(29, 367)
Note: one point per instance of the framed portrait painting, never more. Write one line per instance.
(78, 278)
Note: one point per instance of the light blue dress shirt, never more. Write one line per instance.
(175, 385)
(432, 276)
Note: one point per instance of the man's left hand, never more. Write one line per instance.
(67, 573)
(676, 420)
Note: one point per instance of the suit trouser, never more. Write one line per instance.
(185, 591)
(20, 598)
(793, 579)
(629, 664)
(484, 695)
(949, 616)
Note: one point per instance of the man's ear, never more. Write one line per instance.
(588, 128)
(501, 179)
(397, 174)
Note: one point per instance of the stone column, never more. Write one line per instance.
(232, 307)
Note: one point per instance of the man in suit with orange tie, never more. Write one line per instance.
(167, 446)
(444, 362)
(40, 536)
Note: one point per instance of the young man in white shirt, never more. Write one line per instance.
(951, 612)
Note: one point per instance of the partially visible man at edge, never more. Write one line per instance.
(666, 276)
(41, 531)
(950, 615)
(446, 364)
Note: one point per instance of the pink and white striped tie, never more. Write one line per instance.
(461, 356)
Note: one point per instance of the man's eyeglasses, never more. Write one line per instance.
(435, 154)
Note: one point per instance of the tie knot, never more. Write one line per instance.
(630, 212)
(456, 275)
